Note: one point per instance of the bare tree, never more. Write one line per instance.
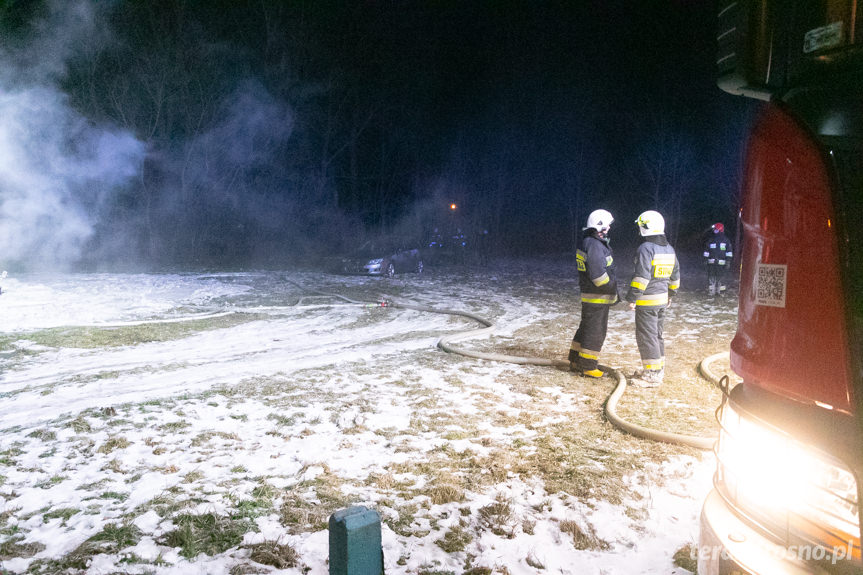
(665, 171)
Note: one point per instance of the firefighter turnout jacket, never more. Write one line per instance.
(717, 250)
(596, 271)
(657, 273)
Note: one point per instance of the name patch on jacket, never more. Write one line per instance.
(663, 265)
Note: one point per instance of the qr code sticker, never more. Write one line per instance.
(771, 281)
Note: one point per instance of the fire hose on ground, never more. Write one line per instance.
(447, 344)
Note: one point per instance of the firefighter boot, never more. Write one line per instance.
(587, 371)
(647, 378)
(589, 365)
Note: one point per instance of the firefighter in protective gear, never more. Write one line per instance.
(656, 279)
(598, 284)
(717, 256)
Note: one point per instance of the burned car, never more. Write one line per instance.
(383, 257)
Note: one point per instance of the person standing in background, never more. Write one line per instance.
(717, 256)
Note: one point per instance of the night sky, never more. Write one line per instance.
(252, 133)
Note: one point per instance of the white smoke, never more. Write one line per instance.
(57, 169)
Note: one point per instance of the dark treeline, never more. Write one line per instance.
(272, 132)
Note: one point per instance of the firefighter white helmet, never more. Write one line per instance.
(600, 220)
(650, 223)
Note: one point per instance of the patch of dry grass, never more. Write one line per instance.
(441, 494)
(685, 558)
(13, 547)
(320, 497)
(114, 443)
(584, 538)
(456, 539)
(499, 517)
(275, 554)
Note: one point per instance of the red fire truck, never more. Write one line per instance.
(790, 452)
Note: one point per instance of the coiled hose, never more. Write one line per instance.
(446, 343)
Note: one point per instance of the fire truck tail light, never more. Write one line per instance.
(798, 494)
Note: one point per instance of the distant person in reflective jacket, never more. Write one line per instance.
(598, 284)
(717, 256)
(656, 279)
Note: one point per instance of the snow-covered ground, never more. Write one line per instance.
(133, 405)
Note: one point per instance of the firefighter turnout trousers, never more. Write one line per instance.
(649, 321)
(716, 279)
(588, 339)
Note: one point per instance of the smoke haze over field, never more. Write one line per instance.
(58, 170)
(229, 182)
(73, 189)
(241, 133)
